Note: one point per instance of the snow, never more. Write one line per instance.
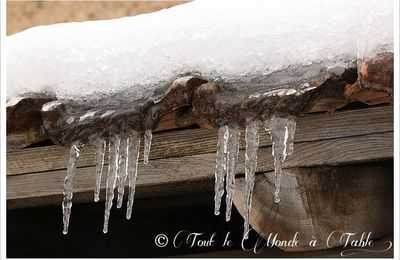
(218, 38)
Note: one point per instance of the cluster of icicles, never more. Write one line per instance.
(124, 155)
(123, 163)
(281, 130)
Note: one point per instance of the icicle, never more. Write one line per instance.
(252, 142)
(291, 129)
(132, 164)
(122, 171)
(111, 178)
(233, 151)
(220, 168)
(100, 149)
(362, 41)
(69, 183)
(360, 53)
(282, 132)
(147, 144)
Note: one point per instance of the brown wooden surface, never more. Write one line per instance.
(317, 201)
(314, 127)
(193, 168)
(183, 161)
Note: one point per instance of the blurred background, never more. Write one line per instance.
(22, 15)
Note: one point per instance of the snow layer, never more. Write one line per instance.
(219, 38)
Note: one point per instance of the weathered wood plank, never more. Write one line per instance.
(318, 201)
(174, 171)
(199, 141)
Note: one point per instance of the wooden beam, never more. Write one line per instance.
(171, 173)
(201, 141)
(318, 201)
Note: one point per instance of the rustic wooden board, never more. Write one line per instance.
(201, 141)
(169, 174)
(318, 201)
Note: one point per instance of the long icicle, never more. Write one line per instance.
(132, 164)
(100, 149)
(148, 136)
(282, 130)
(220, 168)
(122, 170)
(252, 142)
(69, 184)
(233, 151)
(111, 178)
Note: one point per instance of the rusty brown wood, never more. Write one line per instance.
(191, 99)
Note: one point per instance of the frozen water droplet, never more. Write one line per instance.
(147, 144)
(111, 178)
(282, 132)
(122, 171)
(100, 146)
(132, 164)
(233, 151)
(69, 183)
(252, 142)
(290, 129)
(220, 168)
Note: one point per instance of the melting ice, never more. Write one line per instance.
(132, 164)
(111, 178)
(252, 142)
(220, 168)
(123, 170)
(147, 144)
(282, 130)
(100, 146)
(69, 183)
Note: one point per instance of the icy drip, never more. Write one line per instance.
(282, 134)
(123, 171)
(220, 168)
(147, 144)
(100, 149)
(232, 154)
(362, 42)
(252, 142)
(111, 178)
(132, 164)
(69, 183)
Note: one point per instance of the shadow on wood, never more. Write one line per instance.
(318, 201)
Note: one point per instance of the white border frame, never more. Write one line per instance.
(396, 183)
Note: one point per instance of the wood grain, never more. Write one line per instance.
(168, 174)
(317, 201)
(201, 141)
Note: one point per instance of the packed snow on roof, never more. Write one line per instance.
(216, 38)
